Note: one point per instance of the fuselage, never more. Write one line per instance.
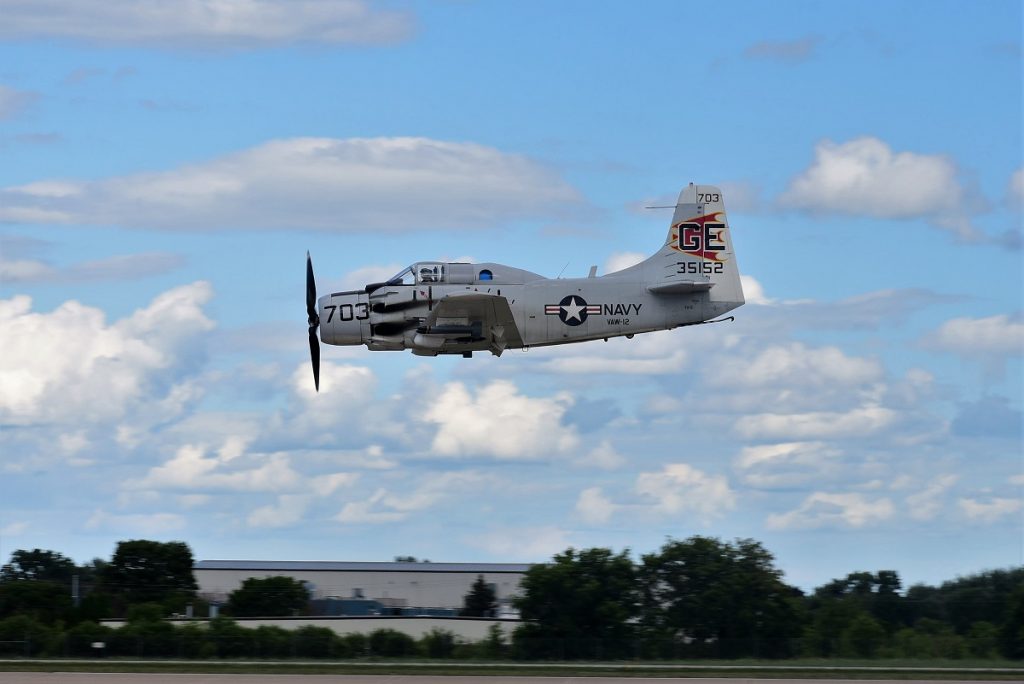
(546, 311)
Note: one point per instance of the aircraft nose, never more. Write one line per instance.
(342, 317)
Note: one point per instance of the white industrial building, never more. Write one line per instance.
(405, 586)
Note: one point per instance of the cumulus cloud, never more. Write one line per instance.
(386, 506)
(1015, 189)
(593, 506)
(926, 504)
(864, 177)
(115, 268)
(192, 468)
(681, 488)
(753, 291)
(858, 422)
(136, 523)
(499, 422)
(649, 354)
(622, 260)
(787, 464)
(526, 543)
(336, 185)
(13, 102)
(797, 365)
(604, 456)
(286, 511)
(205, 23)
(823, 509)
(989, 511)
(980, 338)
(70, 365)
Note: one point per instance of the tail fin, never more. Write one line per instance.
(698, 252)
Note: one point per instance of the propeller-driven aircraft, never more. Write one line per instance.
(436, 308)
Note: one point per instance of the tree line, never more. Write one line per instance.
(695, 598)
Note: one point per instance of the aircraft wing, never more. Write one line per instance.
(484, 315)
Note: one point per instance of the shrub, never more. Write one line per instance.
(390, 643)
(438, 643)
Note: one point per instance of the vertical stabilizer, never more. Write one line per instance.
(698, 252)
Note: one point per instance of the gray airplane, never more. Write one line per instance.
(436, 308)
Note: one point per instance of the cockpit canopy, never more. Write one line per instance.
(430, 273)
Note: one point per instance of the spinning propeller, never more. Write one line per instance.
(314, 321)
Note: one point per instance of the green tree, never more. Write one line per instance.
(983, 640)
(581, 605)
(39, 565)
(391, 643)
(46, 602)
(1011, 632)
(268, 596)
(481, 600)
(726, 599)
(863, 637)
(142, 571)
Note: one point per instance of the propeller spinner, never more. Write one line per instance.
(314, 321)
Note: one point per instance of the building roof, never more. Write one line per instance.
(360, 566)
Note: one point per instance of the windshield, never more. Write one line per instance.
(403, 278)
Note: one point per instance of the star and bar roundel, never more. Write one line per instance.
(572, 310)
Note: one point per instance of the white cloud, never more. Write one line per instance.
(787, 464)
(861, 421)
(604, 456)
(120, 267)
(71, 366)
(989, 511)
(395, 185)
(13, 529)
(753, 292)
(864, 177)
(655, 353)
(288, 510)
(926, 504)
(13, 102)
(136, 523)
(385, 506)
(363, 513)
(192, 469)
(205, 23)
(361, 277)
(325, 485)
(523, 543)
(681, 488)
(593, 506)
(499, 422)
(622, 260)
(980, 337)
(822, 509)
(1015, 189)
(797, 365)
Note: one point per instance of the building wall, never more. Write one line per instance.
(439, 589)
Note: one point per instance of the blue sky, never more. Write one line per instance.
(165, 166)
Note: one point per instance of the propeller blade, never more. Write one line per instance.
(311, 293)
(314, 321)
(314, 355)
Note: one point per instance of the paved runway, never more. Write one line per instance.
(147, 678)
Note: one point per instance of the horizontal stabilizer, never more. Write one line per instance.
(680, 287)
